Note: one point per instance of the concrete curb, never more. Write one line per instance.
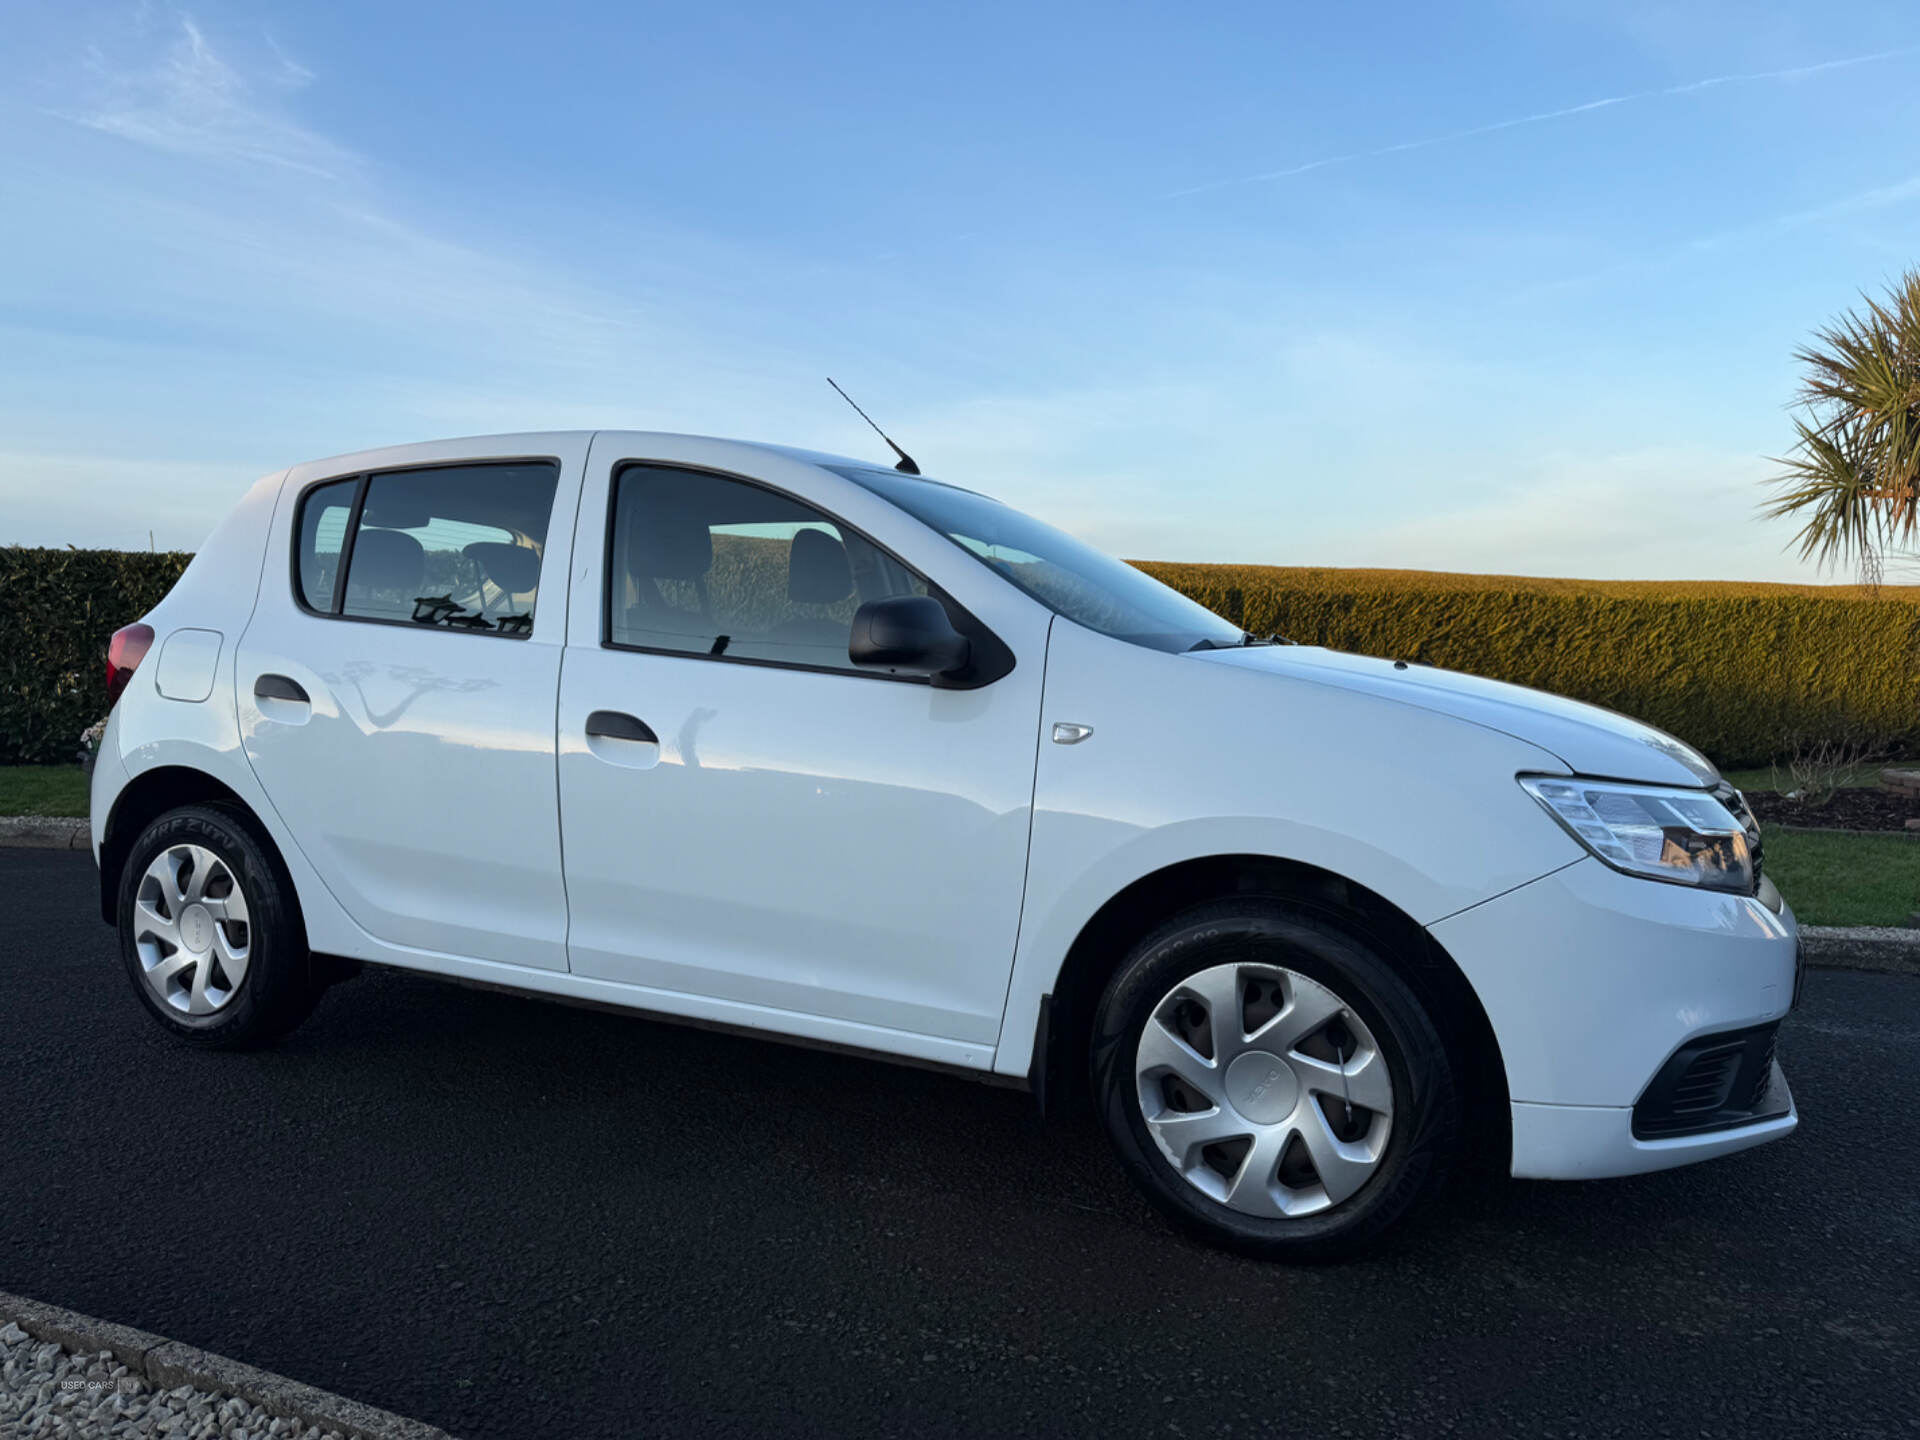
(166, 1364)
(1888, 949)
(44, 832)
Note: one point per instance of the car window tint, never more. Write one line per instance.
(706, 565)
(323, 530)
(457, 546)
(1068, 577)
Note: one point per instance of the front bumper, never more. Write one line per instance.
(1594, 1142)
(1595, 984)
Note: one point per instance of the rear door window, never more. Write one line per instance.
(454, 547)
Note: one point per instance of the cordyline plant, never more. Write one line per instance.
(1854, 477)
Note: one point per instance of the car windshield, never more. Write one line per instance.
(1069, 578)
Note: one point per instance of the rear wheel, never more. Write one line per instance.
(1272, 1083)
(209, 932)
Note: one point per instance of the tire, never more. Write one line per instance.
(182, 964)
(1249, 1179)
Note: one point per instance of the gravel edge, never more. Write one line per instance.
(167, 1364)
(1888, 949)
(44, 832)
(1843, 947)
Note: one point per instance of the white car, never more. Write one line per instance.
(795, 744)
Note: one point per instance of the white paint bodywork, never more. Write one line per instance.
(419, 782)
(187, 664)
(903, 868)
(834, 847)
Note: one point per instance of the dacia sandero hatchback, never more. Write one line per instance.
(813, 748)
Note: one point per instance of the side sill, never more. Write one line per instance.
(582, 993)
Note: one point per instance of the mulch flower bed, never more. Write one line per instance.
(1845, 810)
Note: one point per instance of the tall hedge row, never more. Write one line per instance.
(61, 606)
(1744, 671)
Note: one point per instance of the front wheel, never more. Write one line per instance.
(1272, 1083)
(210, 932)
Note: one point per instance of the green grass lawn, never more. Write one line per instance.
(42, 790)
(1837, 879)
(1829, 879)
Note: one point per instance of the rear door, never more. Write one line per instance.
(799, 845)
(396, 689)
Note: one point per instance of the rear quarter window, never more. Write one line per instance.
(323, 532)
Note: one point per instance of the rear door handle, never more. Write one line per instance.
(618, 725)
(280, 687)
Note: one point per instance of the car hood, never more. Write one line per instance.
(1588, 739)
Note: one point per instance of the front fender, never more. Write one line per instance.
(1190, 761)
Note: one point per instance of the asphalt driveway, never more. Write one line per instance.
(514, 1219)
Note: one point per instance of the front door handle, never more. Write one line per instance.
(280, 687)
(618, 725)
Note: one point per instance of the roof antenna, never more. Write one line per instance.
(906, 464)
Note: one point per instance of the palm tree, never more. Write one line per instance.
(1855, 474)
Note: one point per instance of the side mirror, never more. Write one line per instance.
(907, 632)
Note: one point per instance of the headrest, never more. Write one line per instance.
(387, 560)
(817, 572)
(514, 568)
(670, 545)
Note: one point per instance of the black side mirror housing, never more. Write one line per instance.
(909, 633)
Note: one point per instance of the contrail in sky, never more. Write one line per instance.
(1689, 88)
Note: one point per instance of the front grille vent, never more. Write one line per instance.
(1712, 1083)
(1705, 1084)
(1763, 1074)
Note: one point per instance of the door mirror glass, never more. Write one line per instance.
(908, 633)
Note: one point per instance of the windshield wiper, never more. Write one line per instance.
(1247, 637)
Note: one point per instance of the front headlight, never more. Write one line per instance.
(1685, 837)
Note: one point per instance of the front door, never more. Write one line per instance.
(755, 830)
(396, 696)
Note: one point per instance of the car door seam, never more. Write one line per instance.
(559, 689)
(1026, 868)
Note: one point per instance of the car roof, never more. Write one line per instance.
(519, 440)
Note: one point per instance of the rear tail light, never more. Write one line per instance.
(125, 651)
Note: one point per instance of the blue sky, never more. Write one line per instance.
(1495, 286)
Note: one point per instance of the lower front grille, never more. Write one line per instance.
(1707, 1080)
(1763, 1080)
(1712, 1083)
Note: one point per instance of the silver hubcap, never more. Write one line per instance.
(190, 929)
(1264, 1090)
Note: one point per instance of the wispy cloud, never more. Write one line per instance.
(1586, 515)
(1862, 202)
(292, 74)
(1880, 197)
(1428, 141)
(190, 101)
(451, 327)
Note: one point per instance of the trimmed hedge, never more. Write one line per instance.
(1743, 671)
(62, 606)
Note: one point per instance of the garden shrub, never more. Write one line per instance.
(1747, 672)
(1743, 671)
